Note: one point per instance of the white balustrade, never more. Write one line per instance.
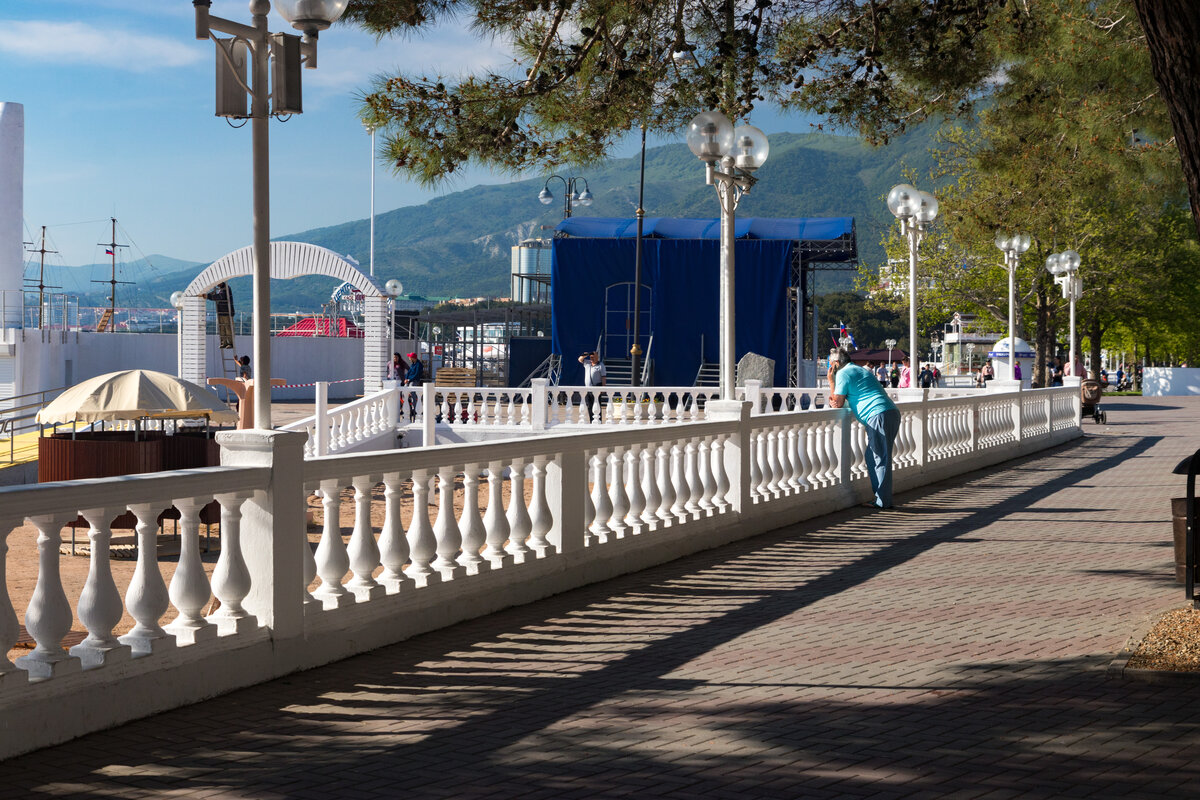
(573, 500)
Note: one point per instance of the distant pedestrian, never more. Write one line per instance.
(925, 377)
(397, 369)
(594, 374)
(905, 374)
(894, 376)
(243, 367)
(881, 373)
(1016, 370)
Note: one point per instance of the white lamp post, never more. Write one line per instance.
(970, 357)
(1065, 269)
(1012, 246)
(890, 344)
(278, 57)
(915, 210)
(741, 151)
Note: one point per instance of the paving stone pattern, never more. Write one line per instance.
(955, 646)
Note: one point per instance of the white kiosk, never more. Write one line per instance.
(1000, 361)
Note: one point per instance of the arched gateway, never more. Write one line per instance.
(288, 260)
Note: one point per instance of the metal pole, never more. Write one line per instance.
(635, 351)
(262, 222)
(727, 191)
(1071, 285)
(372, 202)
(913, 240)
(1010, 259)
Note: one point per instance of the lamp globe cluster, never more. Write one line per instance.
(712, 137)
(908, 202)
(311, 16)
(1015, 243)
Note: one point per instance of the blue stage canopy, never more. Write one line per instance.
(826, 239)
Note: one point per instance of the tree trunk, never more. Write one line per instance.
(1043, 340)
(1172, 30)
(1095, 332)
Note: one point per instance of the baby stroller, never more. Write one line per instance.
(1090, 394)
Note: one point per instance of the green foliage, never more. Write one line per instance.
(870, 324)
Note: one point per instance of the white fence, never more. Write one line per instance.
(443, 545)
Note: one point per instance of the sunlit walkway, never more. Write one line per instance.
(955, 646)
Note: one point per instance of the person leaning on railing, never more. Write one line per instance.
(877, 413)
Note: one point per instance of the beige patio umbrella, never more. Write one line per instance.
(134, 394)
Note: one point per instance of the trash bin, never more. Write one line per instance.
(1190, 466)
(1179, 529)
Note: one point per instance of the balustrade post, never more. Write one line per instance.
(189, 590)
(736, 450)
(48, 617)
(100, 603)
(538, 403)
(321, 419)
(1048, 400)
(566, 494)
(422, 544)
(428, 415)
(146, 598)
(332, 559)
(363, 551)
(1017, 406)
(922, 432)
(470, 525)
(274, 531)
(9, 627)
(541, 521)
(519, 524)
(754, 397)
(973, 425)
(445, 527)
(845, 448)
(494, 520)
(231, 579)
(393, 544)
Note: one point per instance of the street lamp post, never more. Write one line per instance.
(915, 210)
(1012, 246)
(890, 344)
(970, 357)
(254, 49)
(583, 198)
(1065, 269)
(739, 152)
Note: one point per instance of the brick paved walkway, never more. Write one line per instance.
(955, 646)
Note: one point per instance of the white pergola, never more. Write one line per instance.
(288, 260)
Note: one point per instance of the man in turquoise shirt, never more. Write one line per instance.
(877, 413)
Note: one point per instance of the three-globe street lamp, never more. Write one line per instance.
(273, 61)
(739, 152)
(583, 198)
(1012, 246)
(890, 343)
(1064, 267)
(915, 210)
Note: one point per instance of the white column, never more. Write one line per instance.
(146, 598)
(494, 520)
(332, 559)
(393, 544)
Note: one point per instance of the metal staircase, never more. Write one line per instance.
(708, 375)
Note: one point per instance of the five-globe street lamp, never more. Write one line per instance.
(583, 198)
(1012, 245)
(738, 152)
(915, 210)
(1064, 267)
(265, 67)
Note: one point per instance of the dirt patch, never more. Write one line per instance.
(1173, 643)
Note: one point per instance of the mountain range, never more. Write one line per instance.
(459, 244)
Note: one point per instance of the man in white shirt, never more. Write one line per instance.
(594, 374)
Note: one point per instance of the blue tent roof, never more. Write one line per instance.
(819, 238)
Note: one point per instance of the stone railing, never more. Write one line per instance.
(432, 541)
(368, 423)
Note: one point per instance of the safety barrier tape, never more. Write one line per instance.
(303, 385)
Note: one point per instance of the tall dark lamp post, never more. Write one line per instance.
(273, 61)
(583, 198)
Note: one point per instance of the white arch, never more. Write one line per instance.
(288, 260)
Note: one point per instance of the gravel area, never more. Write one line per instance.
(1173, 643)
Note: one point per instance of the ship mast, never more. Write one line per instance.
(112, 281)
(41, 284)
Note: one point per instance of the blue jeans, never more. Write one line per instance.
(881, 435)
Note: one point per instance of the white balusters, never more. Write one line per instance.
(519, 523)
(678, 484)
(633, 489)
(332, 559)
(363, 552)
(146, 598)
(231, 578)
(48, 618)
(616, 491)
(189, 591)
(9, 626)
(652, 497)
(666, 487)
(445, 527)
(795, 466)
(773, 470)
(494, 521)
(691, 478)
(600, 499)
(99, 603)
(393, 544)
(540, 519)
(759, 472)
(422, 544)
(708, 481)
(718, 461)
(470, 525)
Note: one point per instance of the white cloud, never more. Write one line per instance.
(78, 43)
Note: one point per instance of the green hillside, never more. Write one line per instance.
(459, 244)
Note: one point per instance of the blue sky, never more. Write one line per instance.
(118, 98)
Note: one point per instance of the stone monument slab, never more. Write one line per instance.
(754, 367)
